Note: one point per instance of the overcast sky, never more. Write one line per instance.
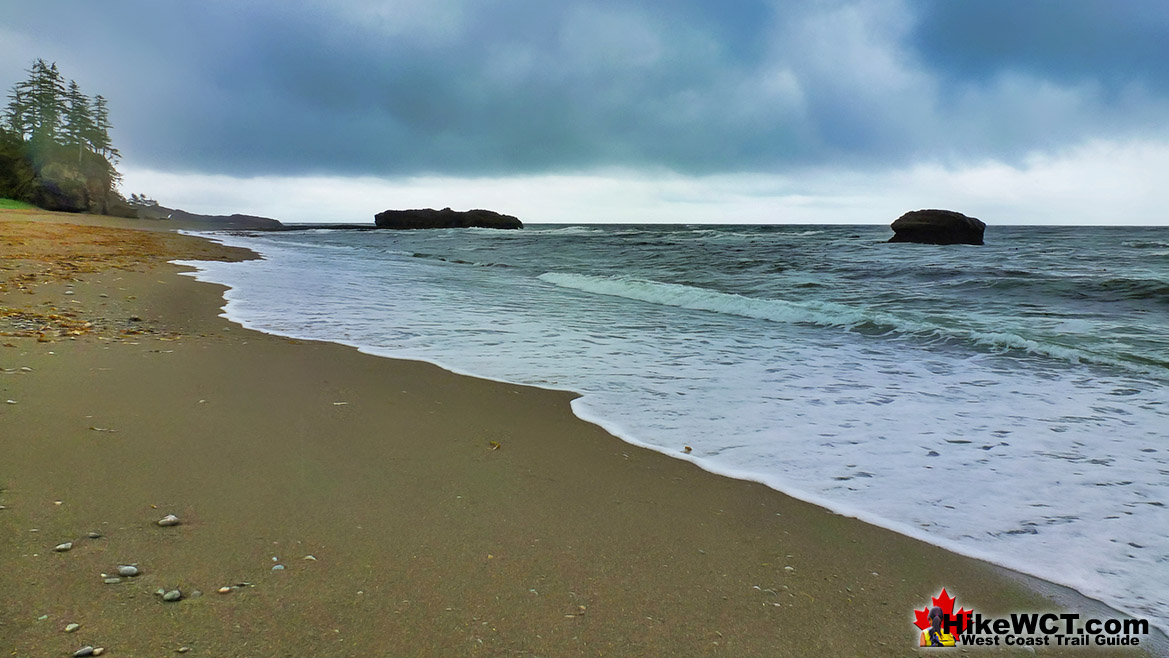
(1016, 111)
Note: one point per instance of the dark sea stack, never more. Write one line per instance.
(445, 218)
(937, 227)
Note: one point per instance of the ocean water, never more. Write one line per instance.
(1009, 401)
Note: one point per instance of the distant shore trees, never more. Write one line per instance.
(55, 147)
(141, 201)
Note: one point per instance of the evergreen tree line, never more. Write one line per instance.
(55, 148)
(45, 108)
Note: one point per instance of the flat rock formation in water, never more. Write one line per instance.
(445, 218)
(937, 227)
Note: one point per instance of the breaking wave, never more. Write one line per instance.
(831, 314)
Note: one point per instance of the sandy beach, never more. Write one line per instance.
(414, 512)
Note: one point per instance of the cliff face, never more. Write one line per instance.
(445, 218)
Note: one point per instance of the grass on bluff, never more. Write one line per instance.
(12, 204)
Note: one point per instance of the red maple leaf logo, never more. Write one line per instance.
(946, 603)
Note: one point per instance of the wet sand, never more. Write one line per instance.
(415, 512)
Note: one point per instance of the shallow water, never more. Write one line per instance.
(1009, 401)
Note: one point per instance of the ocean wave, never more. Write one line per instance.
(565, 230)
(829, 314)
(837, 315)
(1145, 244)
(1134, 288)
(455, 261)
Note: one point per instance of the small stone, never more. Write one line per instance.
(61, 548)
(173, 595)
(72, 627)
(68, 292)
(184, 649)
(99, 651)
(196, 594)
(94, 535)
(224, 590)
(83, 651)
(11, 401)
(25, 369)
(128, 570)
(278, 567)
(112, 580)
(169, 520)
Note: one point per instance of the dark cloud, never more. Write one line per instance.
(526, 86)
(1110, 43)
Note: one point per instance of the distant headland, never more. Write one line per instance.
(148, 209)
(445, 218)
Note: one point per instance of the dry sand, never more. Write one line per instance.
(444, 515)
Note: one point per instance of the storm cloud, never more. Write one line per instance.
(525, 87)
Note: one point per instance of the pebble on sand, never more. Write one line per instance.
(69, 628)
(169, 520)
(224, 590)
(173, 595)
(94, 535)
(128, 570)
(83, 651)
(113, 580)
(278, 567)
(61, 548)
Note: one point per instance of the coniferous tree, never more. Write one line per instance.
(79, 121)
(47, 95)
(100, 137)
(18, 113)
